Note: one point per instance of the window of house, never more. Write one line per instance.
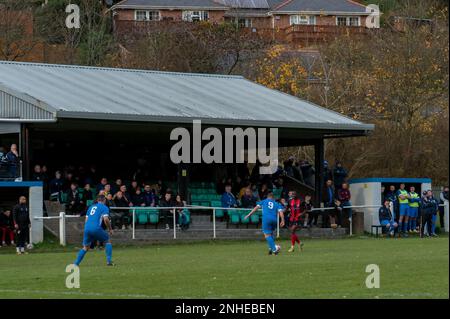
(195, 16)
(141, 15)
(348, 21)
(154, 16)
(244, 22)
(302, 19)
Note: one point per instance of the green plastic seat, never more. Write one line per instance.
(242, 216)
(220, 213)
(63, 198)
(216, 203)
(153, 218)
(89, 202)
(234, 217)
(254, 219)
(142, 217)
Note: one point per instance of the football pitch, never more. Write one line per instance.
(409, 268)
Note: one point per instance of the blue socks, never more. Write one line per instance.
(80, 256)
(413, 224)
(271, 243)
(108, 251)
(400, 227)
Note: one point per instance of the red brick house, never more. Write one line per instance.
(309, 16)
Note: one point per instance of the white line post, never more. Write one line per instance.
(62, 228)
(134, 224)
(174, 225)
(214, 223)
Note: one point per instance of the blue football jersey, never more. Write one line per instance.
(270, 208)
(95, 215)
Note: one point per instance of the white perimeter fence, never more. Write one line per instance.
(62, 217)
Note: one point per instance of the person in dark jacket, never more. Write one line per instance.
(344, 197)
(391, 196)
(339, 175)
(7, 227)
(429, 207)
(248, 200)
(74, 204)
(167, 201)
(56, 186)
(387, 218)
(327, 173)
(149, 196)
(443, 197)
(13, 161)
(328, 197)
(118, 216)
(308, 172)
(22, 224)
(138, 198)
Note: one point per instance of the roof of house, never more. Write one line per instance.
(177, 4)
(247, 4)
(33, 91)
(328, 6)
(275, 6)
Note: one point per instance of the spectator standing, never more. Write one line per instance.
(402, 197)
(429, 206)
(391, 196)
(413, 209)
(443, 197)
(22, 224)
(339, 175)
(386, 218)
(13, 161)
(344, 197)
(327, 173)
(167, 201)
(308, 172)
(7, 227)
(37, 174)
(328, 201)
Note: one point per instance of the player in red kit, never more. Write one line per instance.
(295, 220)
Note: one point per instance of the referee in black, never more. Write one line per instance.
(22, 224)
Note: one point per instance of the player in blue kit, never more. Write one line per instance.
(270, 209)
(93, 231)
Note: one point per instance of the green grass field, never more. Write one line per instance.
(409, 268)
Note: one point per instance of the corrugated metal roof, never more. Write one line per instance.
(138, 95)
(200, 4)
(346, 6)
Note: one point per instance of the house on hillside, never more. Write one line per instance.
(296, 18)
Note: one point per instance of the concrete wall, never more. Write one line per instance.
(367, 194)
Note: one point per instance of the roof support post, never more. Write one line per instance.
(319, 154)
(24, 145)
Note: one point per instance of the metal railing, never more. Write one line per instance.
(62, 217)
